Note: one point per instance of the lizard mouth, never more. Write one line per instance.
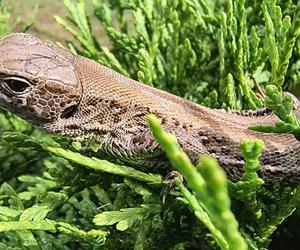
(18, 105)
(4, 100)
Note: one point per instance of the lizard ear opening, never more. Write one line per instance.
(68, 112)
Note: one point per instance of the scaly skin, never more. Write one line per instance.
(79, 98)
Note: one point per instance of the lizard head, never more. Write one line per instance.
(37, 80)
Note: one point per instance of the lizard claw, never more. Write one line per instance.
(170, 183)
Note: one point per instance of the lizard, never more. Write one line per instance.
(73, 96)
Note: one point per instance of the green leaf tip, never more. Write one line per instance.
(282, 105)
(252, 149)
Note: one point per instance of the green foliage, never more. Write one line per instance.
(225, 54)
(281, 35)
(210, 202)
(283, 108)
(157, 42)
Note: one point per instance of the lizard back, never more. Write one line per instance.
(79, 98)
(198, 129)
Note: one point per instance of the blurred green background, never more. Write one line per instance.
(45, 26)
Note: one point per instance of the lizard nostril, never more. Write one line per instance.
(68, 112)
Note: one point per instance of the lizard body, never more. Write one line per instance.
(79, 98)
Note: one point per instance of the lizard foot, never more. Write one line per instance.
(170, 183)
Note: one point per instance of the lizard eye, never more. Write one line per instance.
(15, 84)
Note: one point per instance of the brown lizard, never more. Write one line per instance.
(79, 98)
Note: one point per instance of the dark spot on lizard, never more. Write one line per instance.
(51, 102)
(47, 96)
(116, 119)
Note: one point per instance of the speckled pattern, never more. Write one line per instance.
(84, 100)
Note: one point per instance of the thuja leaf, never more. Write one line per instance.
(246, 189)
(202, 215)
(106, 166)
(26, 225)
(126, 217)
(281, 35)
(282, 105)
(94, 237)
(35, 213)
(146, 74)
(9, 212)
(271, 40)
(209, 184)
(14, 199)
(93, 163)
(252, 150)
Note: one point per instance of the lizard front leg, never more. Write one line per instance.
(125, 136)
